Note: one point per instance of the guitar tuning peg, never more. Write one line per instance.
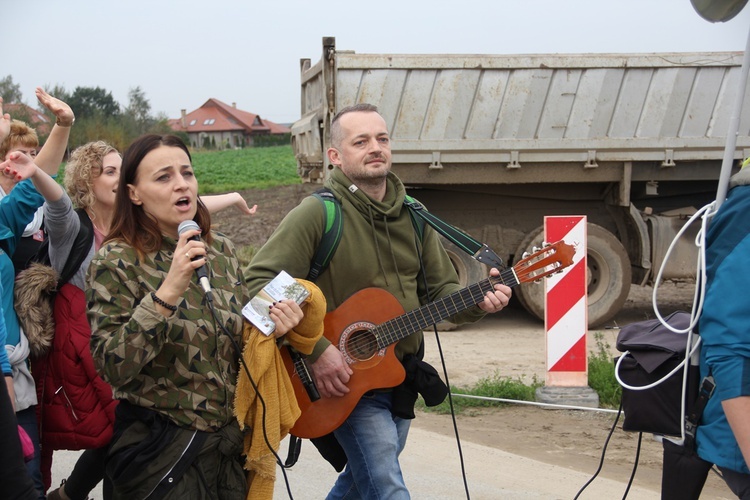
(534, 249)
(545, 244)
(525, 255)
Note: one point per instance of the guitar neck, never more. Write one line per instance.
(402, 326)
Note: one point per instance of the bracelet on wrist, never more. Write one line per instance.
(60, 123)
(162, 303)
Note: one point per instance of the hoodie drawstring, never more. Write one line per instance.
(390, 248)
(393, 257)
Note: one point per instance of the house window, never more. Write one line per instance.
(209, 121)
(192, 122)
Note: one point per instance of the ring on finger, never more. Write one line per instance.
(187, 254)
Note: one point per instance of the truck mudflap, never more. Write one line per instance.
(608, 275)
(683, 260)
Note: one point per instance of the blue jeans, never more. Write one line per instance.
(372, 439)
(27, 420)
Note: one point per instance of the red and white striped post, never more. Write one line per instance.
(565, 311)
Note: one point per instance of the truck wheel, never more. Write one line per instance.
(469, 270)
(608, 274)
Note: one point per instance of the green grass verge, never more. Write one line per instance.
(494, 386)
(601, 379)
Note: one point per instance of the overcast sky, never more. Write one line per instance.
(183, 52)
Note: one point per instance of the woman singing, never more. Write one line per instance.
(166, 350)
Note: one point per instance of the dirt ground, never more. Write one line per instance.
(512, 343)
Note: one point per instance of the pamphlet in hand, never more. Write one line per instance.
(280, 288)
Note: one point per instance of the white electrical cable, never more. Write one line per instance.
(705, 214)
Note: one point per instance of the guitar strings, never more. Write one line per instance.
(398, 328)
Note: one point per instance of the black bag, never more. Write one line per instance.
(652, 352)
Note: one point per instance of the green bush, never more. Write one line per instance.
(602, 375)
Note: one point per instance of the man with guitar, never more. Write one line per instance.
(380, 269)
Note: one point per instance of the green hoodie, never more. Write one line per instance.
(377, 249)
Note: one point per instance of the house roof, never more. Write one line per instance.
(216, 116)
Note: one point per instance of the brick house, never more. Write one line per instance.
(216, 124)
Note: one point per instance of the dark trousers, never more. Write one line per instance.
(14, 477)
(738, 482)
(87, 473)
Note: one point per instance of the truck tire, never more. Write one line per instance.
(469, 270)
(608, 274)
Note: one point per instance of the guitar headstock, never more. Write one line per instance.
(551, 259)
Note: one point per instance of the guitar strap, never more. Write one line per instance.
(479, 251)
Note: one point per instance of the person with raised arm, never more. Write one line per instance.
(33, 187)
(23, 138)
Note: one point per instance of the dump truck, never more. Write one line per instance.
(494, 143)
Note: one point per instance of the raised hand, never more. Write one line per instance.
(4, 122)
(63, 113)
(18, 166)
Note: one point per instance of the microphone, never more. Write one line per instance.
(202, 271)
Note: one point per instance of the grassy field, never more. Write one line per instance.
(238, 169)
(235, 170)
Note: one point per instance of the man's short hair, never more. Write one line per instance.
(336, 137)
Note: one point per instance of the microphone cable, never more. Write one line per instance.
(604, 452)
(255, 387)
(445, 371)
(453, 413)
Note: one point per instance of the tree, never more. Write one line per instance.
(9, 91)
(139, 110)
(88, 102)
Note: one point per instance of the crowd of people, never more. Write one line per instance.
(139, 368)
(142, 366)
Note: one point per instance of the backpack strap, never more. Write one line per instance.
(331, 233)
(78, 251)
(693, 416)
(329, 242)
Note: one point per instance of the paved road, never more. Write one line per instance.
(432, 471)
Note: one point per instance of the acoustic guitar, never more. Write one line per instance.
(365, 326)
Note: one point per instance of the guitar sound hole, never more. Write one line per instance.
(362, 345)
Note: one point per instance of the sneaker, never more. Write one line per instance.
(54, 494)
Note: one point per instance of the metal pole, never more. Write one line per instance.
(734, 125)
